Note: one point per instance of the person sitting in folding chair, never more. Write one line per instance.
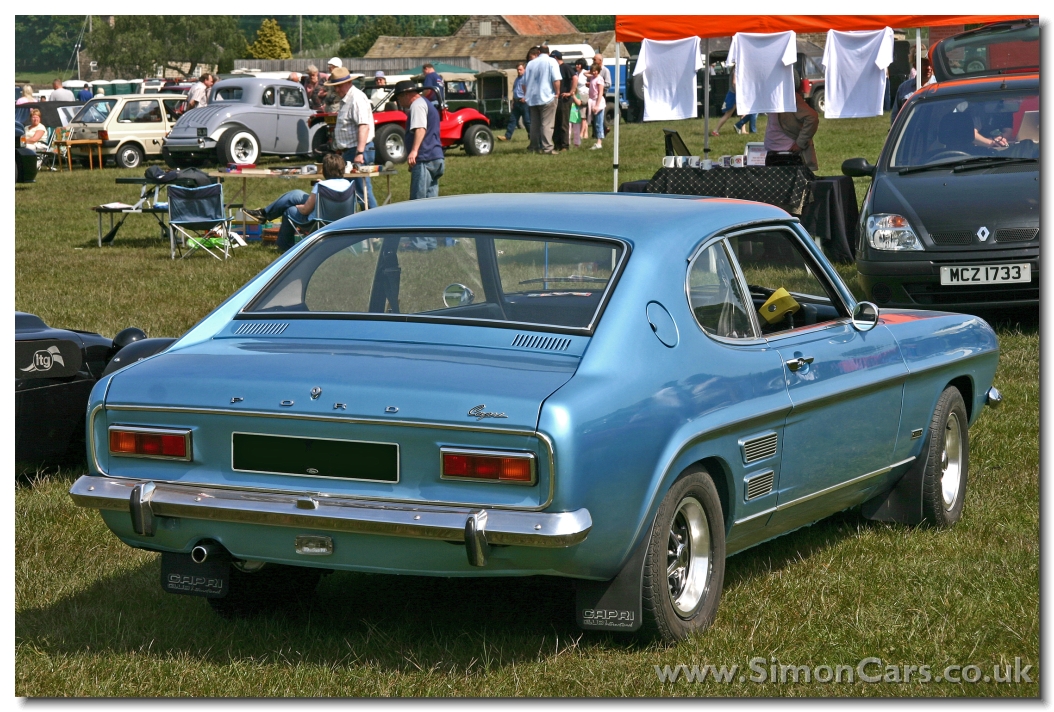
(199, 216)
(297, 208)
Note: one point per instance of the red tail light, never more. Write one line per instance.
(489, 466)
(806, 86)
(135, 442)
(104, 135)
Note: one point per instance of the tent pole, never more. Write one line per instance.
(918, 58)
(618, 107)
(706, 99)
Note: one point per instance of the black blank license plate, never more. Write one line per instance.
(179, 574)
(316, 457)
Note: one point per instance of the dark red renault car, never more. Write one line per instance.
(951, 219)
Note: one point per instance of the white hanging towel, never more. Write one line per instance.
(669, 68)
(764, 71)
(855, 64)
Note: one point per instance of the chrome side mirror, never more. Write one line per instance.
(457, 295)
(865, 316)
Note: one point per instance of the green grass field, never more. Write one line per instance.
(91, 619)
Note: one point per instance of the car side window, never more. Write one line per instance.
(787, 290)
(716, 295)
(140, 112)
(290, 96)
(268, 97)
(173, 109)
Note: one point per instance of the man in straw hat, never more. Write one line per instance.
(353, 133)
(425, 155)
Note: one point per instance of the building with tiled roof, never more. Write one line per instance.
(486, 25)
(502, 51)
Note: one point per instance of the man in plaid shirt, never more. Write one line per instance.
(353, 134)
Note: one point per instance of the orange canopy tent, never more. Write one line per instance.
(636, 28)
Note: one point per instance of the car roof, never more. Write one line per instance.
(637, 218)
(979, 85)
(254, 82)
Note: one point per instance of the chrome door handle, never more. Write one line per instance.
(796, 364)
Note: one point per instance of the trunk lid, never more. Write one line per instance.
(362, 379)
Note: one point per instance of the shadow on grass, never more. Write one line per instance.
(799, 545)
(388, 622)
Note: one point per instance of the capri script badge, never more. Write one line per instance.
(479, 413)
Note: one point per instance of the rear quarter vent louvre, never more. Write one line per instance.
(541, 343)
(759, 448)
(759, 484)
(261, 328)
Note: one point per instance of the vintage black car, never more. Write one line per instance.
(55, 370)
(951, 219)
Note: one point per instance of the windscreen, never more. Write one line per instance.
(495, 278)
(95, 111)
(956, 128)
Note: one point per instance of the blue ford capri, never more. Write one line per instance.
(481, 386)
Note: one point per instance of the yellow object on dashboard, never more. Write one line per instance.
(778, 305)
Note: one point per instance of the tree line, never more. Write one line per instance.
(135, 44)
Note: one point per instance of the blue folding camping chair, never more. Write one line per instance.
(202, 221)
(330, 206)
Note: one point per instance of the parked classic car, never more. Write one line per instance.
(624, 399)
(55, 370)
(951, 219)
(131, 126)
(245, 118)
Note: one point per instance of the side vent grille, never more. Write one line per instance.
(1017, 234)
(759, 484)
(759, 448)
(542, 343)
(261, 328)
(952, 237)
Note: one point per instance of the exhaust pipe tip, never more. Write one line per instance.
(205, 552)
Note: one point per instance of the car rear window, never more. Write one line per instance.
(957, 127)
(96, 111)
(1007, 48)
(429, 276)
(230, 94)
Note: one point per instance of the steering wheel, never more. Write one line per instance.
(950, 154)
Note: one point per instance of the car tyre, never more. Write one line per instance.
(684, 566)
(947, 461)
(819, 100)
(390, 144)
(320, 145)
(478, 140)
(129, 156)
(270, 588)
(238, 145)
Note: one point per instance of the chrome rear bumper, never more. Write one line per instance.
(476, 527)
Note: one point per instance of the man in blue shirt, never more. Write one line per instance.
(422, 137)
(433, 79)
(542, 80)
(519, 106)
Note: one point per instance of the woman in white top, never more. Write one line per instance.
(36, 132)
